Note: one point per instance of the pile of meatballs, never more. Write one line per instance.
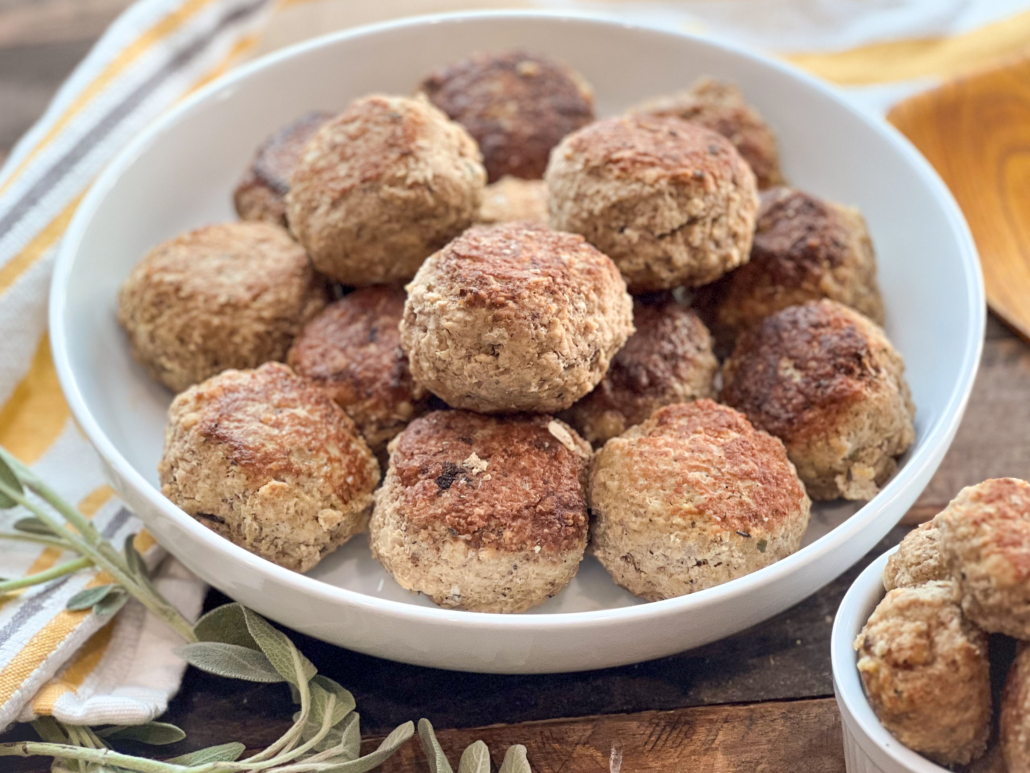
(514, 309)
(923, 654)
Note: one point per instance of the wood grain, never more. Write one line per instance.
(976, 133)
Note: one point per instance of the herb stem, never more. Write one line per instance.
(19, 536)
(50, 574)
(101, 756)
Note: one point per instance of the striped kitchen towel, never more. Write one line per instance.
(69, 665)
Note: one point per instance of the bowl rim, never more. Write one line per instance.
(862, 597)
(920, 459)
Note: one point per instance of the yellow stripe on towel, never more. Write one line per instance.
(86, 660)
(36, 413)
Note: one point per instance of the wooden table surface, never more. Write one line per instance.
(761, 700)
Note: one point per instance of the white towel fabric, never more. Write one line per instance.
(67, 664)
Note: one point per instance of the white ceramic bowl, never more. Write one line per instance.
(179, 174)
(868, 745)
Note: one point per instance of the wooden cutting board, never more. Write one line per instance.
(976, 132)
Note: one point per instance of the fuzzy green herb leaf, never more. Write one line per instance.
(475, 759)
(33, 525)
(151, 733)
(135, 561)
(226, 752)
(387, 749)
(9, 479)
(226, 623)
(49, 730)
(515, 760)
(350, 741)
(434, 753)
(230, 660)
(85, 599)
(279, 650)
(111, 603)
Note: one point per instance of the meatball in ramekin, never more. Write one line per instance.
(512, 198)
(1014, 714)
(261, 194)
(917, 560)
(483, 513)
(515, 317)
(224, 296)
(692, 498)
(827, 382)
(985, 544)
(667, 360)
(266, 459)
(804, 249)
(353, 350)
(672, 203)
(381, 187)
(721, 107)
(516, 105)
(925, 670)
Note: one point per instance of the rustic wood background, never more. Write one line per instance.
(761, 700)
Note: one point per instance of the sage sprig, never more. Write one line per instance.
(475, 759)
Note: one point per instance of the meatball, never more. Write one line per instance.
(917, 559)
(265, 459)
(1014, 714)
(512, 198)
(261, 193)
(516, 105)
(721, 107)
(353, 350)
(667, 360)
(828, 383)
(482, 513)
(671, 202)
(382, 186)
(985, 543)
(804, 249)
(515, 317)
(224, 296)
(692, 498)
(925, 670)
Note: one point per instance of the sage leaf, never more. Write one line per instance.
(515, 760)
(151, 733)
(387, 749)
(135, 561)
(48, 729)
(226, 752)
(225, 624)
(111, 602)
(322, 701)
(33, 525)
(85, 599)
(350, 743)
(229, 660)
(434, 754)
(345, 702)
(279, 650)
(9, 479)
(475, 759)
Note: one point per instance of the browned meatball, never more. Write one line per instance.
(1014, 714)
(721, 107)
(918, 559)
(516, 105)
(267, 460)
(667, 360)
(804, 249)
(692, 498)
(828, 383)
(483, 513)
(261, 194)
(353, 349)
(512, 198)
(672, 203)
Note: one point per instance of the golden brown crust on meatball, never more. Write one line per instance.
(516, 105)
(267, 460)
(672, 203)
(804, 249)
(917, 560)
(692, 498)
(481, 512)
(353, 350)
(1014, 714)
(721, 107)
(667, 360)
(515, 317)
(512, 198)
(261, 194)
(828, 383)
(985, 543)
(380, 187)
(925, 670)
(224, 296)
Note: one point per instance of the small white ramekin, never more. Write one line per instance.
(868, 746)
